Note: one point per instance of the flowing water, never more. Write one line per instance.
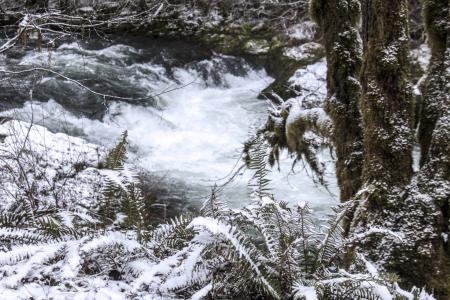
(190, 112)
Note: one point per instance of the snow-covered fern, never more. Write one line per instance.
(268, 249)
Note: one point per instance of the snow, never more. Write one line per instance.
(202, 293)
(302, 204)
(390, 54)
(97, 290)
(305, 293)
(267, 201)
(185, 273)
(369, 266)
(117, 51)
(41, 256)
(422, 54)
(257, 47)
(59, 167)
(302, 31)
(378, 230)
(213, 225)
(310, 82)
(311, 79)
(72, 263)
(109, 239)
(382, 292)
(303, 52)
(297, 112)
(86, 9)
(119, 177)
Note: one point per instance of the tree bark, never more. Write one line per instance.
(402, 222)
(387, 100)
(436, 21)
(434, 136)
(338, 21)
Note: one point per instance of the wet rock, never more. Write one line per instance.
(257, 47)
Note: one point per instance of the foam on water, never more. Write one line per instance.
(194, 135)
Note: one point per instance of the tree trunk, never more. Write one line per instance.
(436, 21)
(434, 136)
(401, 222)
(338, 22)
(387, 100)
(387, 113)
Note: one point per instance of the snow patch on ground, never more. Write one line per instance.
(304, 51)
(306, 292)
(54, 167)
(311, 79)
(302, 31)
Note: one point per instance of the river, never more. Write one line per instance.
(187, 112)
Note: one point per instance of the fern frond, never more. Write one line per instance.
(122, 193)
(241, 251)
(167, 238)
(117, 156)
(256, 160)
(14, 236)
(214, 207)
(35, 258)
(9, 219)
(331, 246)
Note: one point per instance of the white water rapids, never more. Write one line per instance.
(192, 135)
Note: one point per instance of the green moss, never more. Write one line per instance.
(244, 39)
(387, 101)
(338, 22)
(434, 136)
(436, 17)
(317, 11)
(240, 39)
(282, 68)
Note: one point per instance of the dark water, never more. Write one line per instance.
(108, 75)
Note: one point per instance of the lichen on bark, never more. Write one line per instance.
(436, 16)
(338, 22)
(387, 100)
(402, 221)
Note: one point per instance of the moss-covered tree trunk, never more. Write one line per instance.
(387, 98)
(401, 222)
(388, 136)
(436, 17)
(436, 107)
(434, 135)
(338, 22)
